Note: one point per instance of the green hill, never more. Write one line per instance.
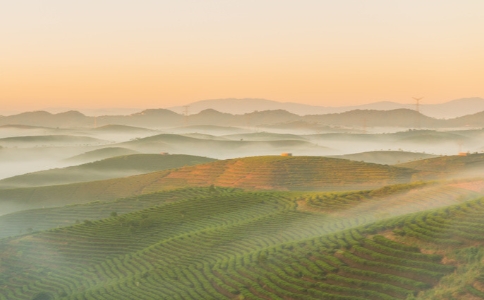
(266, 172)
(431, 137)
(222, 148)
(387, 201)
(207, 129)
(99, 154)
(119, 166)
(50, 140)
(264, 136)
(122, 129)
(386, 157)
(448, 166)
(29, 220)
(288, 173)
(251, 245)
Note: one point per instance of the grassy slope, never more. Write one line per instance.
(250, 245)
(387, 201)
(46, 218)
(266, 172)
(446, 166)
(99, 154)
(122, 129)
(386, 157)
(49, 140)
(114, 167)
(220, 148)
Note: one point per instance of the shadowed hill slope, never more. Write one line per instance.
(448, 166)
(114, 167)
(99, 154)
(223, 148)
(50, 140)
(122, 129)
(386, 157)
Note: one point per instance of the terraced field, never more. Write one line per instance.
(229, 244)
(389, 201)
(28, 221)
(287, 173)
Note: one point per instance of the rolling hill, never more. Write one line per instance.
(99, 154)
(122, 129)
(264, 136)
(254, 245)
(119, 166)
(50, 141)
(207, 129)
(47, 218)
(222, 148)
(386, 157)
(406, 118)
(450, 109)
(162, 118)
(267, 172)
(448, 166)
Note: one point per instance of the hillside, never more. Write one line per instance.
(99, 154)
(406, 118)
(222, 148)
(122, 129)
(265, 249)
(386, 157)
(119, 166)
(448, 166)
(450, 109)
(50, 141)
(264, 136)
(388, 201)
(267, 172)
(207, 129)
(473, 120)
(29, 220)
(292, 173)
(162, 118)
(12, 130)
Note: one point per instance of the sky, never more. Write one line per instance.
(156, 54)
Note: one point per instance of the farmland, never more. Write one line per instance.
(255, 245)
(266, 172)
(131, 223)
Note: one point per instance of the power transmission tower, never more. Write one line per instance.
(417, 109)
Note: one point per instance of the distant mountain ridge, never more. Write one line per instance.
(163, 118)
(452, 109)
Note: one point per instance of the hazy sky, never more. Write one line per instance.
(108, 53)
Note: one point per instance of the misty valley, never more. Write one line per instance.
(350, 205)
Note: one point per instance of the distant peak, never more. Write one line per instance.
(71, 113)
(154, 111)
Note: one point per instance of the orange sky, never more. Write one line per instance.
(164, 53)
